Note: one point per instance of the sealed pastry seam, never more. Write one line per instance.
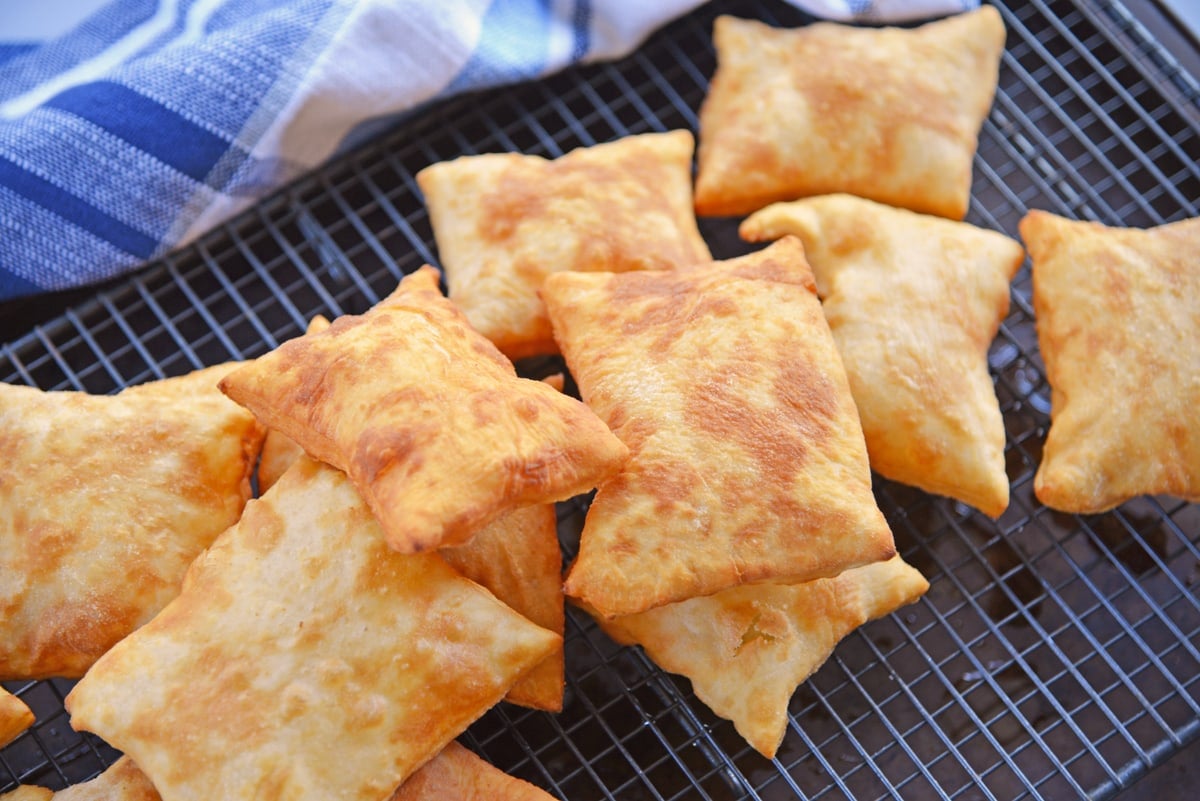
(748, 648)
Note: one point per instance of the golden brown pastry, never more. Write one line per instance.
(748, 460)
(1118, 319)
(748, 648)
(517, 558)
(885, 113)
(15, 717)
(121, 782)
(505, 221)
(427, 418)
(304, 659)
(458, 775)
(279, 451)
(455, 774)
(913, 302)
(104, 502)
(28, 792)
(557, 381)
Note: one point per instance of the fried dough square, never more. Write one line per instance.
(28, 792)
(104, 502)
(122, 781)
(458, 775)
(914, 302)
(748, 648)
(889, 114)
(427, 418)
(15, 717)
(1118, 319)
(455, 774)
(504, 221)
(304, 659)
(748, 461)
(518, 559)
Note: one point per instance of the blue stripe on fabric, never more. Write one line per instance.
(37, 245)
(87, 161)
(583, 29)
(75, 210)
(11, 50)
(14, 286)
(513, 45)
(147, 125)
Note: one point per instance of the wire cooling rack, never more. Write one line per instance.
(1055, 656)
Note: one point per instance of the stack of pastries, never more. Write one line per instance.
(333, 636)
(741, 540)
(400, 571)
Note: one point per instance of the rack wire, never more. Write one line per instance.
(1054, 655)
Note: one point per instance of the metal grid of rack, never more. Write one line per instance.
(1054, 655)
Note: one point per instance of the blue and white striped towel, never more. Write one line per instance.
(150, 121)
